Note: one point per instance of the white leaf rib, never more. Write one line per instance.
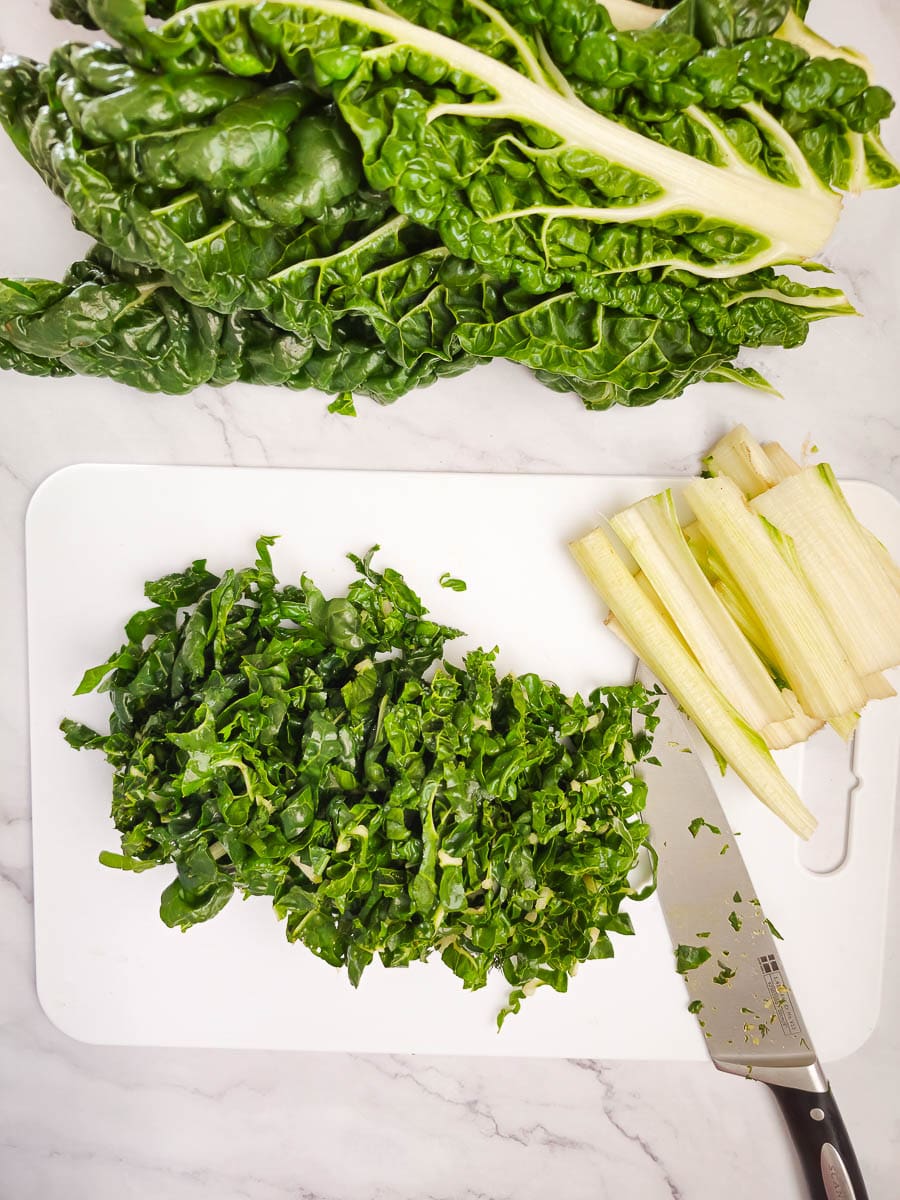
(796, 221)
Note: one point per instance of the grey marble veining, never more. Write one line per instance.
(78, 1121)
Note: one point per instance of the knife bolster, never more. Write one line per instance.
(805, 1077)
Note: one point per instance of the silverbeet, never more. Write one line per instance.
(268, 741)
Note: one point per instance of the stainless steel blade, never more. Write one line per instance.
(750, 1019)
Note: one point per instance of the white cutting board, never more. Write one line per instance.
(109, 972)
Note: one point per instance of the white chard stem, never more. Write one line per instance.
(809, 655)
(771, 614)
(656, 643)
(743, 460)
(651, 533)
(844, 572)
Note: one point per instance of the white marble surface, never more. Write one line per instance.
(77, 1121)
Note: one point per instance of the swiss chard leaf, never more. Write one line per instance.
(725, 22)
(688, 958)
(287, 194)
(619, 341)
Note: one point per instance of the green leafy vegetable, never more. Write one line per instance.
(599, 173)
(771, 928)
(735, 921)
(688, 958)
(448, 581)
(699, 823)
(757, 202)
(109, 319)
(446, 181)
(725, 974)
(269, 741)
(343, 405)
(365, 348)
(695, 1006)
(78, 11)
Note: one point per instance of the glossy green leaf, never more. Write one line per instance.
(309, 194)
(688, 958)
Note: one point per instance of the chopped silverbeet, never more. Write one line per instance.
(266, 740)
(688, 958)
(699, 823)
(725, 973)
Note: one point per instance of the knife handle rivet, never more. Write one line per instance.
(817, 1114)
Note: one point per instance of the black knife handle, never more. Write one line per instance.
(822, 1144)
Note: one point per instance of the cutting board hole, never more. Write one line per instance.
(828, 784)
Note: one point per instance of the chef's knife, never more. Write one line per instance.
(748, 1014)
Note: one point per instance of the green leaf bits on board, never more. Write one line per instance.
(266, 740)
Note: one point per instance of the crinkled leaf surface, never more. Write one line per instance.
(321, 194)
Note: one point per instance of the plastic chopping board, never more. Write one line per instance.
(109, 972)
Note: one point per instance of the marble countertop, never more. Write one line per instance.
(79, 1121)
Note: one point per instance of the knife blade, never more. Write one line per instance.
(747, 1010)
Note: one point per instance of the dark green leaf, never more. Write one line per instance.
(82, 737)
(274, 202)
(176, 908)
(182, 588)
(726, 22)
(688, 958)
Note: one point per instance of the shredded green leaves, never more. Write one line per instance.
(268, 741)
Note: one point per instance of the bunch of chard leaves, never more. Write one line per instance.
(409, 189)
(438, 317)
(271, 742)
